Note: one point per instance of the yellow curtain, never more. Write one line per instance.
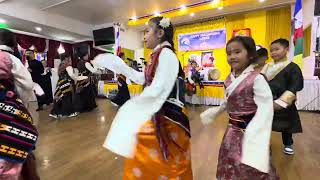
(278, 24)
(219, 54)
(128, 53)
(256, 21)
(234, 22)
(266, 26)
(307, 41)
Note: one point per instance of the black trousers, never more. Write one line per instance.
(41, 100)
(287, 139)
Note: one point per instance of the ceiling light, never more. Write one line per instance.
(215, 2)
(134, 18)
(220, 8)
(146, 23)
(261, 1)
(38, 29)
(156, 14)
(2, 21)
(192, 14)
(183, 7)
(61, 49)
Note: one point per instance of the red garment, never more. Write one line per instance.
(240, 106)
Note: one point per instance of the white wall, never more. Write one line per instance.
(309, 19)
(139, 53)
(131, 39)
(308, 12)
(21, 11)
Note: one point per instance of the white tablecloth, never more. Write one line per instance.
(209, 101)
(309, 98)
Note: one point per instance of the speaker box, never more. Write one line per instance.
(317, 8)
(81, 50)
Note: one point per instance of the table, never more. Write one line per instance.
(211, 94)
(107, 86)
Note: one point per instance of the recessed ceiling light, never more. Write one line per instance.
(38, 29)
(156, 14)
(220, 8)
(192, 14)
(2, 21)
(261, 1)
(183, 7)
(215, 2)
(146, 23)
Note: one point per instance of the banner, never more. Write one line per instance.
(201, 41)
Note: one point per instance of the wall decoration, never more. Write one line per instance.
(200, 41)
(242, 32)
(207, 59)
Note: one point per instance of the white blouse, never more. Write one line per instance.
(256, 141)
(21, 75)
(22, 80)
(73, 76)
(121, 138)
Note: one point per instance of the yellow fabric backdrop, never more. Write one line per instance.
(278, 25)
(307, 41)
(266, 26)
(212, 91)
(128, 53)
(220, 54)
(133, 88)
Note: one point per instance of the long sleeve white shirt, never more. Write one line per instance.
(256, 141)
(134, 113)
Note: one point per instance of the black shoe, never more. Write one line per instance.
(39, 108)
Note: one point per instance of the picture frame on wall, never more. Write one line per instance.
(207, 59)
(241, 32)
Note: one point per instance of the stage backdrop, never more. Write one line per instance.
(202, 41)
(265, 26)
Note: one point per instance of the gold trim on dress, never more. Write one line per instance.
(288, 97)
(270, 75)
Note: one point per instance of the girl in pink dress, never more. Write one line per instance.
(18, 135)
(245, 152)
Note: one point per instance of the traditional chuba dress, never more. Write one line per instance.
(84, 95)
(285, 80)
(152, 129)
(18, 135)
(245, 149)
(63, 104)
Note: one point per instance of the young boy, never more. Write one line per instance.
(262, 57)
(285, 80)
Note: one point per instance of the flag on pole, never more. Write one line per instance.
(117, 47)
(298, 34)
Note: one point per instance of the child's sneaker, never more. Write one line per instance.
(53, 116)
(288, 150)
(73, 115)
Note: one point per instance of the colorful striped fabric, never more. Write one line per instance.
(298, 33)
(18, 135)
(117, 48)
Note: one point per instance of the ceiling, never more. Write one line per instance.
(104, 11)
(98, 12)
(47, 32)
